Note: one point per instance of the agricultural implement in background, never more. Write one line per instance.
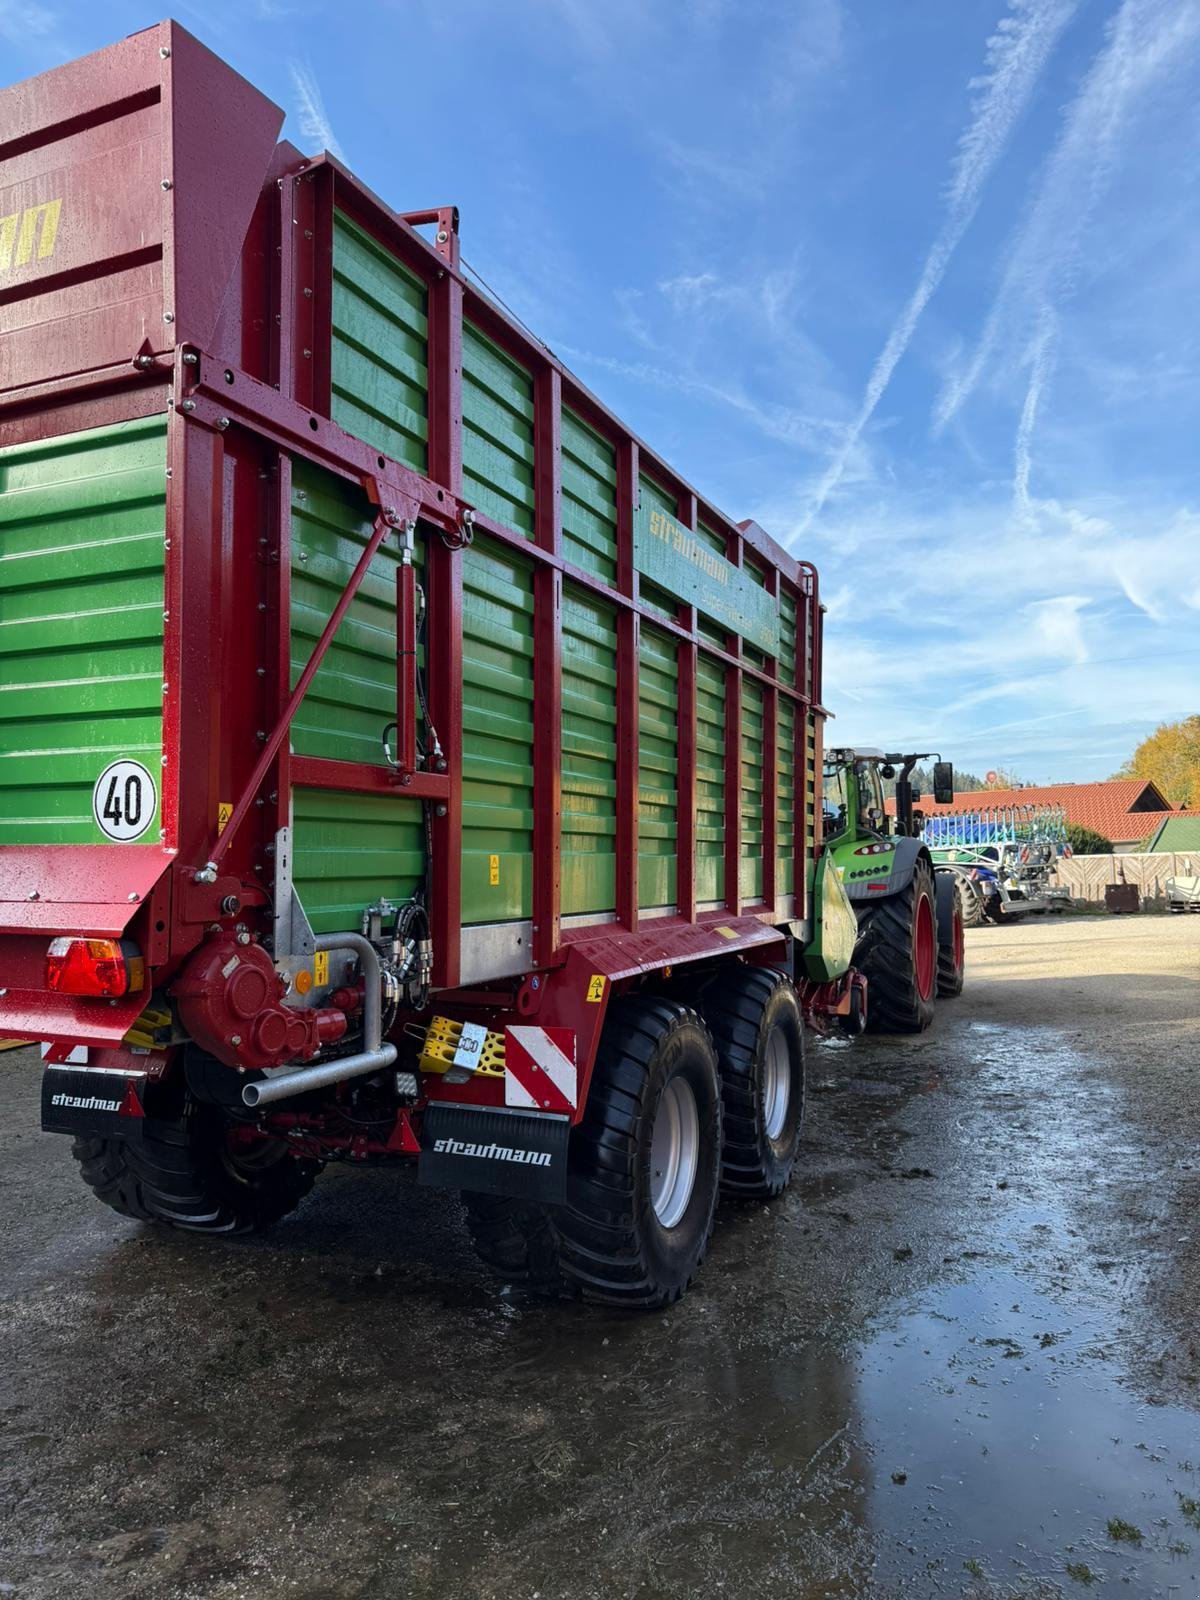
(1003, 858)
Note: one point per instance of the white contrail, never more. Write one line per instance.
(310, 110)
(1016, 54)
(1145, 40)
(1041, 363)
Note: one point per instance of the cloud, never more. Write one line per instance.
(310, 110)
(1145, 42)
(782, 423)
(1041, 363)
(1016, 55)
(689, 292)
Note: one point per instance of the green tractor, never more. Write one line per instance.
(909, 943)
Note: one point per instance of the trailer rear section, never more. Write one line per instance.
(400, 762)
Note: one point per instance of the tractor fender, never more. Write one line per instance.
(904, 863)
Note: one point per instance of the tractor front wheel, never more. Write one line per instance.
(951, 947)
(897, 952)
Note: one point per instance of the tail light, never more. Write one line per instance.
(106, 967)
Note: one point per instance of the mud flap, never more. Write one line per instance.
(491, 1151)
(90, 1105)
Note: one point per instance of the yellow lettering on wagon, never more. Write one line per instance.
(19, 231)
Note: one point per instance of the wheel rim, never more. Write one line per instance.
(924, 948)
(776, 1084)
(674, 1152)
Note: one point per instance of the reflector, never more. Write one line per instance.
(102, 967)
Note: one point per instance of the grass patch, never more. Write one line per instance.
(1082, 1573)
(1189, 1508)
(1122, 1532)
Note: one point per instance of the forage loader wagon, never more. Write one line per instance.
(398, 761)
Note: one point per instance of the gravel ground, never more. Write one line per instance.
(960, 1356)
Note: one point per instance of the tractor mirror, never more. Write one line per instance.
(943, 783)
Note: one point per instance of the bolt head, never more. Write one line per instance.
(222, 423)
(167, 184)
(191, 359)
(188, 405)
(235, 1038)
(168, 316)
(34, 894)
(164, 51)
(134, 897)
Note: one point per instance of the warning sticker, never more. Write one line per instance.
(124, 800)
(493, 870)
(321, 967)
(595, 990)
(224, 812)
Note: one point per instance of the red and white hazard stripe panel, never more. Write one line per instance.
(539, 1068)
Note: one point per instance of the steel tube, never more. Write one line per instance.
(318, 1077)
(375, 1055)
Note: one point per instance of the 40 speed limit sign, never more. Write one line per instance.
(125, 800)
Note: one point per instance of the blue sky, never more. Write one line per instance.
(914, 285)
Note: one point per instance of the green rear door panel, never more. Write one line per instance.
(589, 754)
(658, 768)
(82, 525)
(497, 790)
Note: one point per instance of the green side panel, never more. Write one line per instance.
(710, 779)
(750, 873)
(353, 696)
(785, 808)
(497, 406)
(380, 353)
(708, 629)
(811, 780)
(82, 523)
(348, 849)
(658, 768)
(659, 600)
(787, 636)
(497, 734)
(714, 541)
(589, 754)
(589, 498)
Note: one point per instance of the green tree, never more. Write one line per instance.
(1086, 842)
(1170, 759)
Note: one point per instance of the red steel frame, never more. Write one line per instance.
(244, 366)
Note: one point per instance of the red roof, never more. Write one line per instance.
(1121, 809)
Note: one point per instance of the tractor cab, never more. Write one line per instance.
(853, 794)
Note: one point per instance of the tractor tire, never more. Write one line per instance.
(756, 1024)
(645, 1162)
(951, 960)
(971, 902)
(182, 1172)
(897, 953)
(514, 1239)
